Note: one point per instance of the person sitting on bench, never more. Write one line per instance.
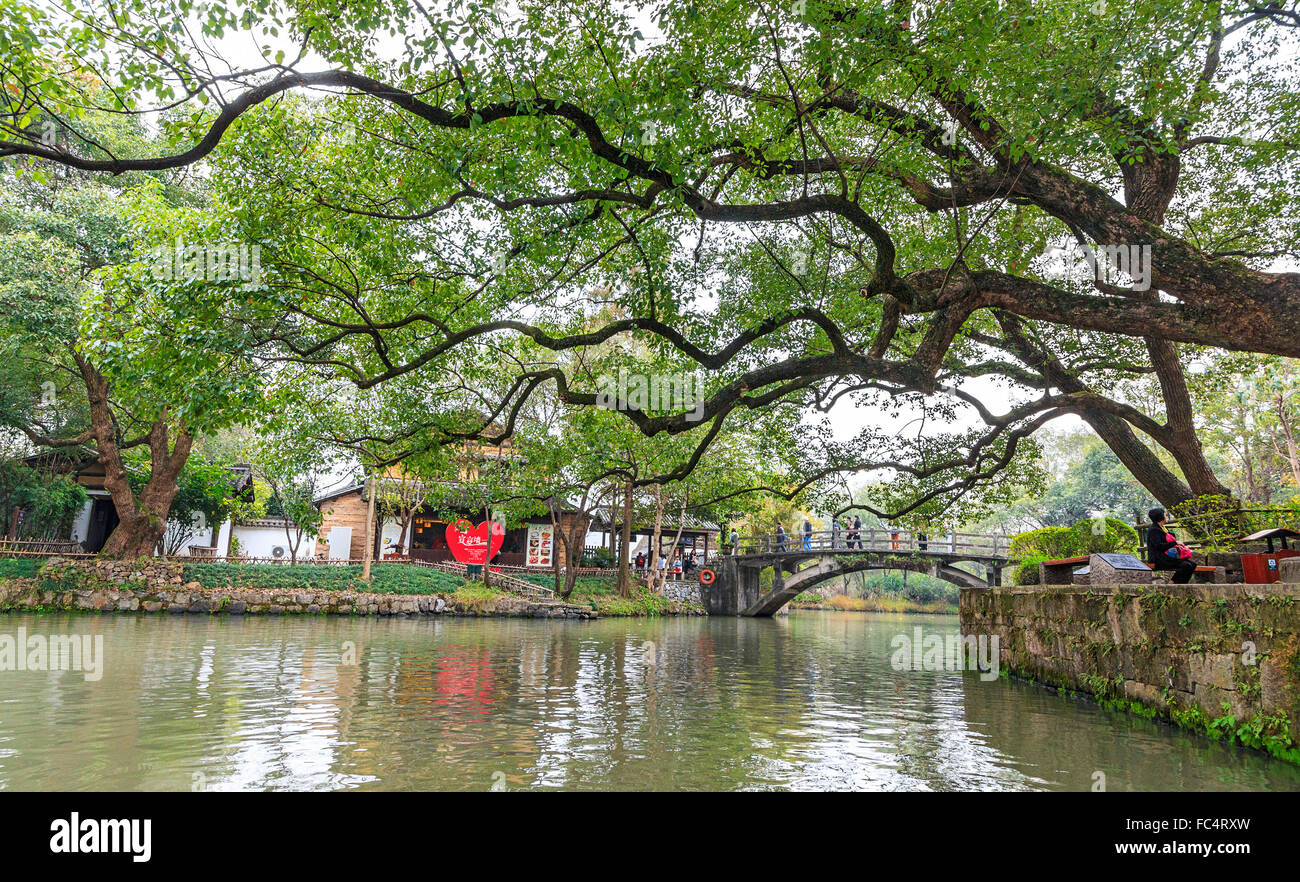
(1160, 541)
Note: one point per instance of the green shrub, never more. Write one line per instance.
(1083, 537)
(601, 558)
(1026, 572)
(385, 578)
(1091, 538)
(1045, 542)
(19, 567)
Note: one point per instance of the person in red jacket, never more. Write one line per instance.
(1160, 542)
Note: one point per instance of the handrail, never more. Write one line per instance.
(876, 539)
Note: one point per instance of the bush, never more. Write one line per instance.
(385, 578)
(1026, 572)
(1090, 538)
(1083, 537)
(19, 567)
(1045, 542)
(601, 558)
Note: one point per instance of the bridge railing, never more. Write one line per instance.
(877, 539)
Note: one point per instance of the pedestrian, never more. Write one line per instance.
(835, 533)
(640, 560)
(735, 541)
(807, 535)
(780, 538)
(921, 540)
(1165, 552)
(893, 538)
(856, 535)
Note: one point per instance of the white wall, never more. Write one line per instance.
(262, 541)
(389, 534)
(200, 535)
(81, 526)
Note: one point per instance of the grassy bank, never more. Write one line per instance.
(883, 603)
(600, 594)
(385, 578)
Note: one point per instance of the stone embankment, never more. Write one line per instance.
(1222, 659)
(158, 587)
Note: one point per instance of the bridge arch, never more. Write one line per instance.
(737, 590)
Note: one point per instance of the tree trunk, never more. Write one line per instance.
(142, 520)
(656, 575)
(369, 550)
(625, 553)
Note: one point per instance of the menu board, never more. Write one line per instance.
(541, 545)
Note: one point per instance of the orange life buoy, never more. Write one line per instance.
(707, 576)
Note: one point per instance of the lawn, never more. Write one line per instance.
(386, 578)
(19, 567)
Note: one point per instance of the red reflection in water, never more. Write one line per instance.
(465, 680)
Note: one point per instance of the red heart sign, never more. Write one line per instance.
(470, 544)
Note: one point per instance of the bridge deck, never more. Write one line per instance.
(957, 546)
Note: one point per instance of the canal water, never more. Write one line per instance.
(805, 702)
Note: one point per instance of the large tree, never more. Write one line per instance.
(109, 356)
(809, 201)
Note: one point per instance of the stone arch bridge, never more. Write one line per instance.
(799, 563)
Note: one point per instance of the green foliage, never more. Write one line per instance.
(1097, 535)
(1046, 542)
(51, 502)
(601, 558)
(1087, 536)
(19, 567)
(386, 578)
(204, 496)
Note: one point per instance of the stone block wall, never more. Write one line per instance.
(1195, 655)
(95, 585)
(684, 591)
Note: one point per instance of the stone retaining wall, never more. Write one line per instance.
(685, 591)
(157, 586)
(1191, 654)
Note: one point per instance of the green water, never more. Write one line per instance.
(809, 701)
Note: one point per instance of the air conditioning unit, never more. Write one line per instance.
(278, 551)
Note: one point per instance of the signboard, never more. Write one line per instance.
(475, 545)
(1123, 562)
(540, 547)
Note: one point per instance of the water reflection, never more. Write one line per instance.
(804, 702)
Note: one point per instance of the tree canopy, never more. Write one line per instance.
(808, 203)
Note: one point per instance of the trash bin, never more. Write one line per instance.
(1260, 568)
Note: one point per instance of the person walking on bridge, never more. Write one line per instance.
(835, 533)
(807, 535)
(856, 535)
(780, 538)
(1165, 552)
